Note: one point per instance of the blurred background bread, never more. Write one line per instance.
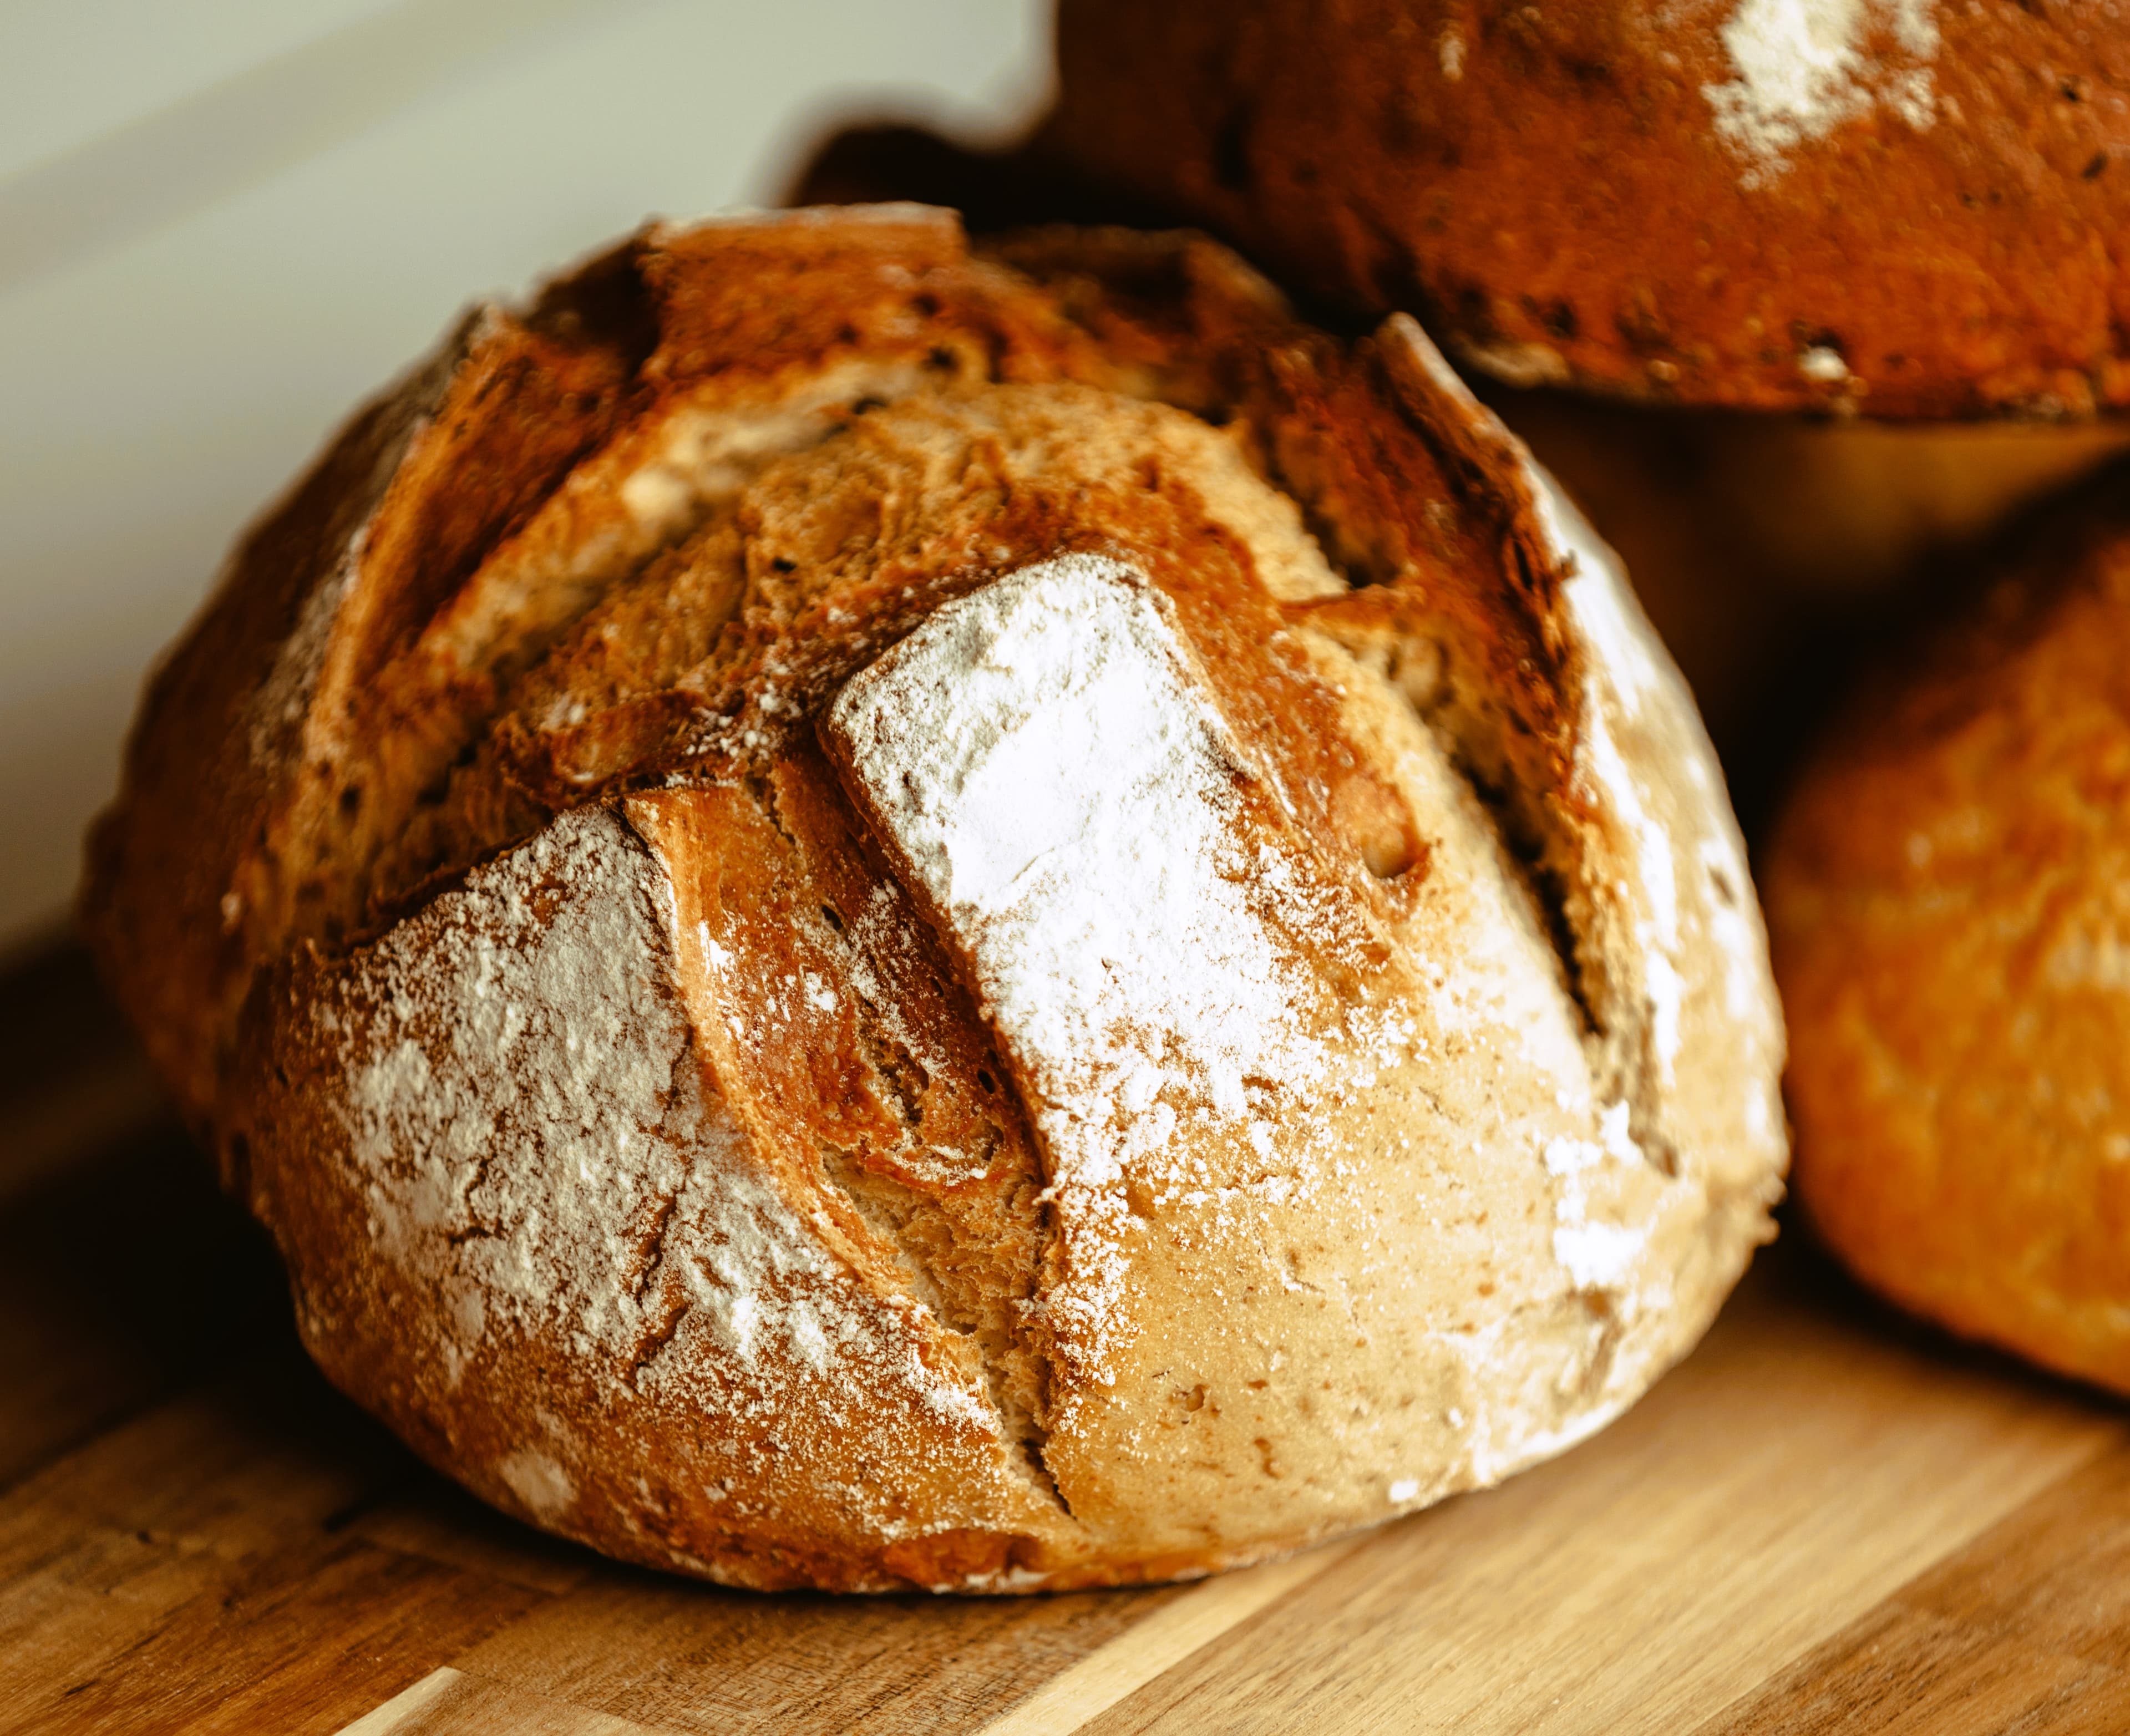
(1946, 890)
(1885, 205)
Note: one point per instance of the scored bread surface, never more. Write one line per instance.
(879, 916)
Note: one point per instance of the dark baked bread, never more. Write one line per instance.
(866, 915)
(1902, 206)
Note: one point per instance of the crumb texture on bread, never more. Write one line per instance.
(1033, 927)
(1904, 207)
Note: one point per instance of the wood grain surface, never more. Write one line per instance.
(1824, 1519)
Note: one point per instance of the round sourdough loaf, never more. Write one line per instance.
(1910, 208)
(866, 915)
(1949, 891)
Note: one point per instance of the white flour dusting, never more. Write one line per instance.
(1450, 50)
(1621, 673)
(527, 1118)
(278, 709)
(1802, 71)
(547, 1490)
(1067, 797)
(1597, 1255)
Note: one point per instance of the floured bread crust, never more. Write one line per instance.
(1033, 927)
(1904, 207)
(1949, 891)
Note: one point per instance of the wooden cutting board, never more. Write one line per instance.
(1824, 1519)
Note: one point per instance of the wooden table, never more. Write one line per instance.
(1826, 1519)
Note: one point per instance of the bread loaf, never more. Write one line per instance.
(1902, 206)
(866, 915)
(1946, 890)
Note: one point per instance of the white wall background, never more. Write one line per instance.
(222, 222)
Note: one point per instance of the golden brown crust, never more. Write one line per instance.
(380, 545)
(1946, 900)
(393, 517)
(1895, 206)
(329, 764)
(647, 1144)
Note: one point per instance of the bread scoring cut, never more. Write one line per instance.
(1068, 800)
(1109, 955)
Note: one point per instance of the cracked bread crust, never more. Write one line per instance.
(1900, 207)
(668, 1153)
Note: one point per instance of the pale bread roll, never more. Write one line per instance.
(870, 917)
